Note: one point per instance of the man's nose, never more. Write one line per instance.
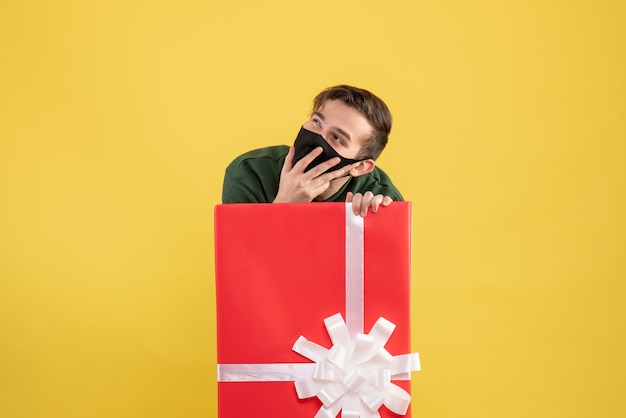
(324, 133)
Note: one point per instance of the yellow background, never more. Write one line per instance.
(117, 119)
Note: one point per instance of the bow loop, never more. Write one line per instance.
(354, 376)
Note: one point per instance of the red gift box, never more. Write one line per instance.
(281, 269)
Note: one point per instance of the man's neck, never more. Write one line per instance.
(334, 187)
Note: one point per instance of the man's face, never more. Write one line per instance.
(342, 126)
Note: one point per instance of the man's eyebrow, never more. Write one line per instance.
(344, 133)
(319, 115)
(341, 131)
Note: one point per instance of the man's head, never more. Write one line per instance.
(367, 104)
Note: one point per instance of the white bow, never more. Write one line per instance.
(354, 376)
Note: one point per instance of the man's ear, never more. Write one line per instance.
(362, 167)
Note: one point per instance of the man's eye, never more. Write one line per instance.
(337, 139)
(317, 122)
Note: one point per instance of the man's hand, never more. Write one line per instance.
(362, 202)
(297, 186)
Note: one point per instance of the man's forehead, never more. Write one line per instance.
(348, 114)
(340, 108)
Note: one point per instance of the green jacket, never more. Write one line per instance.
(253, 177)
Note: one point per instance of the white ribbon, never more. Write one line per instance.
(354, 375)
(354, 271)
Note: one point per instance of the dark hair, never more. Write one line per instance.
(372, 107)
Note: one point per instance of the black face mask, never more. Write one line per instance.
(307, 141)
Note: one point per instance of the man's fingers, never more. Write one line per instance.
(307, 159)
(327, 177)
(376, 202)
(289, 160)
(340, 172)
(361, 203)
(357, 200)
(321, 168)
(366, 202)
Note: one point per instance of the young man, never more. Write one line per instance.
(332, 160)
